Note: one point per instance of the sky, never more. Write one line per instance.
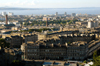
(50, 3)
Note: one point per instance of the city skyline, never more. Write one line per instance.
(50, 4)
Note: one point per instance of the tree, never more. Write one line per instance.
(94, 56)
(96, 59)
(61, 23)
(31, 24)
(17, 63)
(69, 42)
(85, 61)
(3, 43)
(40, 23)
(70, 21)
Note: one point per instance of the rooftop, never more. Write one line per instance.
(78, 43)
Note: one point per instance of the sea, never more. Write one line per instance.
(50, 11)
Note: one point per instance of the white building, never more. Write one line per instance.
(92, 24)
(3, 13)
(2, 23)
(17, 24)
(98, 16)
(89, 64)
(10, 22)
(10, 14)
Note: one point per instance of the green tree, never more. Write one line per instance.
(96, 59)
(61, 23)
(70, 22)
(17, 63)
(69, 42)
(40, 23)
(94, 56)
(85, 61)
(31, 24)
(3, 43)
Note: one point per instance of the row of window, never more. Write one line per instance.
(29, 50)
(32, 46)
(32, 54)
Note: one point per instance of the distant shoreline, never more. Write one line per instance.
(4, 8)
(50, 11)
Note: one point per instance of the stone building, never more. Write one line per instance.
(7, 55)
(74, 38)
(30, 50)
(94, 45)
(12, 54)
(55, 34)
(16, 41)
(82, 23)
(77, 50)
(33, 38)
(54, 50)
(43, 51)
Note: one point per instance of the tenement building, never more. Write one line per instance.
(12, 54)
(30, 50)
(53, 49)
(65, 47)
(55, 34)
(33, 38)
(15, 41)
(43, 51)
(77, 50)
(74, 38)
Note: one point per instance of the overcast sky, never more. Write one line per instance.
(50, 3)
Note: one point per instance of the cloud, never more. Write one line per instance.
(32, 3)
(19, 3)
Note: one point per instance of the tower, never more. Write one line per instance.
(65, 14)
(6, 19)
(56, 14)
(47, 23)
(73, 14)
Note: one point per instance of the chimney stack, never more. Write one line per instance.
(6, 19)
(47, 23)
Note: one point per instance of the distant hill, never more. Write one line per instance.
(17, 8)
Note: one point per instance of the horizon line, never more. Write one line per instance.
(49, 7)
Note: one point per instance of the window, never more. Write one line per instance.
(28, 50)
(46, 50)
(61, 53)
(35, 50)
